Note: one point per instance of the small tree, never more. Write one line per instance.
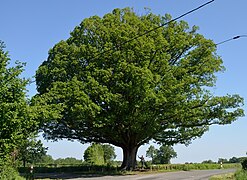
(151, 152)
(94, 154)
(163, 155)
(244, 164)
(234, 160)
(31, 151)
(16, 117)
(16, 122)
(46, 159)
(222, 160)
(208, 162)
(109, 153)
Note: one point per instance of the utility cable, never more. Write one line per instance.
(235, 37)
(175, 19)
(147, 32)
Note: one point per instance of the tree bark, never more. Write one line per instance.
(24, 162)
(129, 157)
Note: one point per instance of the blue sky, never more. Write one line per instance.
(30, 28)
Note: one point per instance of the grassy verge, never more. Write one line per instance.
(229, 176)
(239, 175)
(187, 167)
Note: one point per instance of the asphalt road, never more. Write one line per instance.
(181, 175)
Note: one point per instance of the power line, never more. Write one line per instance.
(179, 17)
(233, 38)
(175, 19)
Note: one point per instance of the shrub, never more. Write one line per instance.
(9, 173)
(240, 175)
(244, 164)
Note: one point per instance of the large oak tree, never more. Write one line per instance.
(105, 85)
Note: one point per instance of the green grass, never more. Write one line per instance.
(188, 167)
(229, 176)
(239, 175)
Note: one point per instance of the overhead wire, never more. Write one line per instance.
(151, 30)
(233, 38)
(175, 19)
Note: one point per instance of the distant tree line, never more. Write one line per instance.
(95, 154)
(48, 160)
(225, 161)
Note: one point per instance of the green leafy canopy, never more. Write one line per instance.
(15, 115)
(17, 121)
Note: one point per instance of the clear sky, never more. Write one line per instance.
(30, 28)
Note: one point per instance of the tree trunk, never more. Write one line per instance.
(129, 157)
(24, 162)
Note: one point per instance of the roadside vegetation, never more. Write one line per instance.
(79, 167)
(100, 159)
(229, 176)
(240, 174)
(16, 116)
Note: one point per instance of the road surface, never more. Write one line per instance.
(181, 175)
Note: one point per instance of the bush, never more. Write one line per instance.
(9, 173)
(244, 164)
(241, 175)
